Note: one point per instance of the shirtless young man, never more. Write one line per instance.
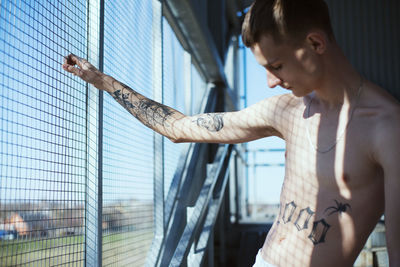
(341, 132)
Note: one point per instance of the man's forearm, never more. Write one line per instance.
(162, 119)
(151, 113)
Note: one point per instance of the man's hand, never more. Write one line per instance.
(83, 69)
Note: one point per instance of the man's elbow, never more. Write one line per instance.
(176, 139)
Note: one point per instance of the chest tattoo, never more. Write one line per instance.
(340, 207)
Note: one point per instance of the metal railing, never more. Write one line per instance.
(193, 201)
(205, 210)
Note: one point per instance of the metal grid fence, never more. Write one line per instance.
(54, 211)
(42, 134)
(175, 73)
(128, 163)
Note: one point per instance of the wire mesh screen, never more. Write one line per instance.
(266, 172)
(128, 162)
(174, 72)
(199, 87)
(44, 131)
(42, 134)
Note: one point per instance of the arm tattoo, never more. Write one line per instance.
(213, 122)
(145, 110)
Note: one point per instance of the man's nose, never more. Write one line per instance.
(273, 80)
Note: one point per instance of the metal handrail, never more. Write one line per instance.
(187, 156)
(217, 174)
(185, 169)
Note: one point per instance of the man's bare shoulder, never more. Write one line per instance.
(385, 109)
(381, 111)
(282, 102)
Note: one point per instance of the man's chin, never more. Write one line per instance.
(298, 93)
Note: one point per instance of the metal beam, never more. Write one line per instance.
(158, 179)
(213, 180)
(93, 197)
(233, 9)
(197, 38)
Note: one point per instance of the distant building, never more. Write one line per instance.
(264, 212)
(29, 224)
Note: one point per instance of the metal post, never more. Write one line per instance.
(187, 59)
(246, 145)
(94, 133)
(238, 212)
(255, 201)
(159, 211)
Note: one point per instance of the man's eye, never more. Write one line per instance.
(276, 67)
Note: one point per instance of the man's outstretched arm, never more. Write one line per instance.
(231, 127)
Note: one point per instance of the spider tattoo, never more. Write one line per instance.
(340, 208)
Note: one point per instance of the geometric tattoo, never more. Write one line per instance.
(320, 227)
(340, 207)
(211, 121)
(303, 219)
(318, 232)
(288, 213)
(145, 110)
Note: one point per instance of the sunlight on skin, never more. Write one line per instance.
(340, 151)
(230, 127)
(320, 223)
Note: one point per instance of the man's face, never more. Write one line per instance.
(294, 68)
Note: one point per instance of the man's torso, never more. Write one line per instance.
(330, 201)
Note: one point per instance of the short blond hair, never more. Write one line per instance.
(285, 20)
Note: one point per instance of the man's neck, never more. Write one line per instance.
(340, 84)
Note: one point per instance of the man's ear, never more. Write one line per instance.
(317, 42)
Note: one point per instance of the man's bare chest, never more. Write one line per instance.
(347, 166)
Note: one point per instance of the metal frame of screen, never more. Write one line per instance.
(73, 187)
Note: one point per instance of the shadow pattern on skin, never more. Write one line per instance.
(152, 113)
(212, 121)
(145, 110)
(320, 227)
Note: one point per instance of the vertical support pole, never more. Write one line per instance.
(158, 179)
(238, 212)
(236, 65)
(187, 59)
(255, 201)
(210, 250)
(94, 135)
(158, 139)
(233, 177)
(246, 145)
(100, 152)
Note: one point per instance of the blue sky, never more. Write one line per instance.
(265, 185)
(42, 140)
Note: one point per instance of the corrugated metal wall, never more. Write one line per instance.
(368, 31)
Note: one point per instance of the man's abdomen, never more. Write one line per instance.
(330, 233)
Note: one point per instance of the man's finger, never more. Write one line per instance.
(70, 68)
(73, 59)
(68, 60)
